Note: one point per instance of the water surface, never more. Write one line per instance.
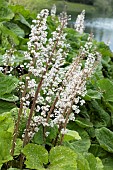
(102, 28)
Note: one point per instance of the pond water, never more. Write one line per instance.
(102, 28)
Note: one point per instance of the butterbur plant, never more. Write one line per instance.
(51, 92)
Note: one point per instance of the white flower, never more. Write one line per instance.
(36, 129)
(47, 133)
(37, 108)
(63, 131)
(32, 83)
(82, 102)
(53, 10)
(72, 117)
(1, 69)
(74, 107)
(79, 24)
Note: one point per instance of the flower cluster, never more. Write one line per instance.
(8, 61)
(74, 86)
(62, 89)
(79, 24)
(52, 92)
(64, 18)
(53, 10)
(46, 58)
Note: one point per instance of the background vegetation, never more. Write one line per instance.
(74, 7)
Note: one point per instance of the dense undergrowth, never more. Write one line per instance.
(88, 145)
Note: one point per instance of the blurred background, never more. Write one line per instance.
(98, 19)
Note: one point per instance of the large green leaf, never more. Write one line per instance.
(36, 156)
(108, 163)
(19, 17)
(81, 145)
(105, 138)
(18, 148)
(6, 122)
(106, 87)
(15, 28)
(38, 137)
(82, 163)
(10, 34)
(110, 106)
(62, 158)
(9, 97)
(71, 135)
(23, 11)
(94, 163)
(52, 133)
(5, 146)
(5, 12)
(91, 160)
(6, 106)
(100, 117)
(6, 135)
(3, 3)
(99, 165)
(7, 84)
(92, 94)
(97, 151)
(83, 122)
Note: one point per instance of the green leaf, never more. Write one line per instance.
(100, 117)
(62, 158)
(91, 160)
(83, 122)
(5, 13)
(19, 17)
(108, 163)
(15, 28)
(82, 163)
(3, 3)
(105, 138)
(94, 163)
(6, 122)
(6, 106)
(7, 84)
(23, 11)
(5, 146)
(81, 145)
(36, 156)
(106, 87)
(92, 94)
(9, 97)
(18, 148)
(71, 135)
(100, 165)
(10, 34)
(97, 151)
(38, 137)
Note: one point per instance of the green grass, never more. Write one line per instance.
(72, 8)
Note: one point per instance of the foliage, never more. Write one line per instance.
(88, 142)
(59, 157)
(72, 8)
(104, 6)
